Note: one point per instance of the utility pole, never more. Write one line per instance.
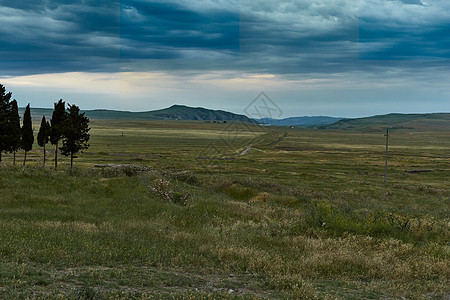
(385, 164)
(123, 148)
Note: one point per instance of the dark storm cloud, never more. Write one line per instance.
(399, 44)
(56, 36)
(283, 37)
(164, 30)
(404, 30)
(286, 43)
(248, 37)
(59, 36)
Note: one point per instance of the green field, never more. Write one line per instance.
(304, 214)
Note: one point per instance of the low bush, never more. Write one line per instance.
(341, 219)
(113, 170)
(262, 197)
(185, 176)
(238, 192)
(166, 191)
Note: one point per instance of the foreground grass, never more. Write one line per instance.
(65, 235)
(304, 215)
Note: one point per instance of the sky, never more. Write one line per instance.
(348, 58)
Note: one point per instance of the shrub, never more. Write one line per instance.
(114, 170)
(238, 192)
(86, 293)
(180, 198)
(166, 191)
(262, 197)
(341, 219)
(161, 189)
(187, 177)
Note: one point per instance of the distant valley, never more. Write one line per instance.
(300, 121)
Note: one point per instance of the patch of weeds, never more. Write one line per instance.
(292, 285)
(399, 222)
(113, 170)
(271, 187)
(427, 189)
(42, 281)
(166, 191)
(86, 293)
(133, 170)
(261, 198)
(323, 213)
(180, 198)
(186, 176)
(236, 191)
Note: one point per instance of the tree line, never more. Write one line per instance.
(70, 128)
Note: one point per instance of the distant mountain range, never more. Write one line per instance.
(182, 112)
(436, 121)
(175, 112)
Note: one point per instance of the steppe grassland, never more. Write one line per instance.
(304, 214)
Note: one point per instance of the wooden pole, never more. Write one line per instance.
(385, 164)
(123, 148)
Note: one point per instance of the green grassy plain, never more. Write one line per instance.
(305, 214)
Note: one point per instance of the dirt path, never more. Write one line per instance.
(245, 151)
(281, 138)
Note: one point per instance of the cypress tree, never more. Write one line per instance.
(43, 135)
(5, 107)
(75, 132)
(57, 122)
(27, 132)
(14, 129)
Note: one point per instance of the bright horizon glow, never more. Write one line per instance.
(128, 90)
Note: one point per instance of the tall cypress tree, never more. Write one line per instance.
(43, 135)
(14, 129)
(76, 133)
(27, 132)
(5, 107)
(57, 122)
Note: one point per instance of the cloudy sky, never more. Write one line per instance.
(346, 58)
